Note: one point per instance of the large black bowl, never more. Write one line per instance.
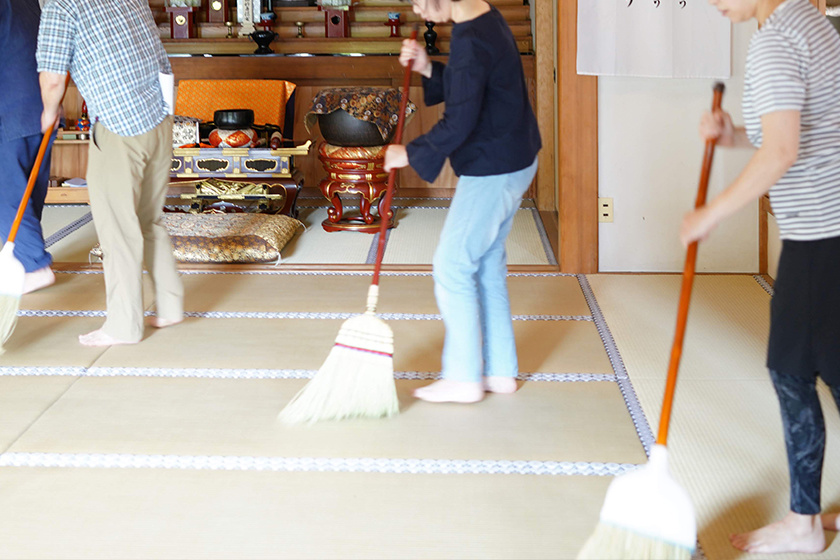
(340, 128)
(234, 119)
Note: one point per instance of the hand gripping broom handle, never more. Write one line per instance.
(33, 175)
(392, 176)
(687, 282)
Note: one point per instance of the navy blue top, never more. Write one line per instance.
(488, 126)
(20, 100)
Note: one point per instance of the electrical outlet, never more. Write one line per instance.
(605, 210)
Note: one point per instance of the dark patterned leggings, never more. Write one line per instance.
(804, 427)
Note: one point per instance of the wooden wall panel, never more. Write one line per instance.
(312, 74)
(544, 88)
(577, 152)
(819, 4)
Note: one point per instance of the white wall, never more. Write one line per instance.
(649, 162)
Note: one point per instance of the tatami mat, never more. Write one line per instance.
(82, 292)
(51, 342)
(726, 444)
(347, 293)
(23, 400)
(544, 346)
(415, 238)
(727, 311)
(75, 247)
(58, 216)
(543, 421)
(411, 242)
(315, 245)
(175, 515)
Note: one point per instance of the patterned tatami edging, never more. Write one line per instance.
(67, 230)
(624, 384)
(311, 464)
(546, 244)
(280, 272)
(764, 284)
(228, 373)
(288, 315)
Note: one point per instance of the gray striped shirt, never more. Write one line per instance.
(793, 63)
(113, 51)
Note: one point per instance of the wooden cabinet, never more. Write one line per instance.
(375, 65)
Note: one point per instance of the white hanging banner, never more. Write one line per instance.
(655, 38)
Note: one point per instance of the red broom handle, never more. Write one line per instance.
(33, 175)
(687, 283)
(392, 176)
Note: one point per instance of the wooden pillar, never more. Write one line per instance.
(577, 151)
(819, 4)
(545, 106)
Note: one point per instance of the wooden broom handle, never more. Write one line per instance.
(392, 176)
(33, 175)
(687, 283)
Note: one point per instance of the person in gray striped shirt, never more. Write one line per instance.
(114, 55)
(791, 108)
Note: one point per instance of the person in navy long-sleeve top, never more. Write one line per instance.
(20, 138)
(489, 134)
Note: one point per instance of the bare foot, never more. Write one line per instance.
(99, 338)
(794, 533)
(830, 520)
(499, 384)
(159, 323)
(38, 279)
(450, 391)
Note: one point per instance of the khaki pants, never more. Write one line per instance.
(128, 177)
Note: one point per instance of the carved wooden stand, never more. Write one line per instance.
(363, 177)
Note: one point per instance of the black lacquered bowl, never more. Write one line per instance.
(340, 128)
(234, 119)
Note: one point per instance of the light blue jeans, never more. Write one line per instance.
(470, 272)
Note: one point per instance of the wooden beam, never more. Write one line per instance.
(577, 152)
(546, 87)
(763, 229)
(819, 4)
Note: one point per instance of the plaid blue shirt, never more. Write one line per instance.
(114, 54)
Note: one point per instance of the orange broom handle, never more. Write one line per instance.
(33, 175)
(687, 283)
(392, 176)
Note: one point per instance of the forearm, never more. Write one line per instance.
(740, 139)
(52, 91)
(763, 171)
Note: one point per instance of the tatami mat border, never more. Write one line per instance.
(764, 284)
(287, 315)
(311, 464)
(546, 244)
(374, 246)
(67, 230)
(624, 384)
(324, 273)
(228, 373)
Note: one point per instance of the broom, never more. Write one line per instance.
(12, 273)
(357, 378)
(646, 514)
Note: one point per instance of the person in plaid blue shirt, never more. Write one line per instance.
(114, 54)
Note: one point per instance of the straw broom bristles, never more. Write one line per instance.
(646, 515)
(608, 542)
(357, 378)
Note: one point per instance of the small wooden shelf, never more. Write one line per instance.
(67, 195)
